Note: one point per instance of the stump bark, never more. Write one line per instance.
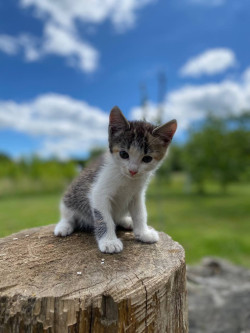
(57, 285)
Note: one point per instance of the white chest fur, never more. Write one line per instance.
(114, 189)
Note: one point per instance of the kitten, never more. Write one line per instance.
(112, 192)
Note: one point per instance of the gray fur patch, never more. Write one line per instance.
(100, 229)
(76, 197)
(136, 134)
(100, 225)
(98, 216)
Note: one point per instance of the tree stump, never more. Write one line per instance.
(57, 285)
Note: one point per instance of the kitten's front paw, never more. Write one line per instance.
(110, 245)
(147, 236)
(63, 229)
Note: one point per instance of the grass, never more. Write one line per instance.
(27, 211)
(212, 224)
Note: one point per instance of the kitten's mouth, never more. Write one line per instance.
(128, 175)
(133, 176)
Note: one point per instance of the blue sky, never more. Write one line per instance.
(64, 64)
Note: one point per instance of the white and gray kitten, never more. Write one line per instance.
(112, 191)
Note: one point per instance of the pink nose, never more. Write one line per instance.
(133, 172)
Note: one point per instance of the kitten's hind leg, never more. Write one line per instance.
(125, 222)
(66, 225)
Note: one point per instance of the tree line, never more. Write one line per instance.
(216, 150)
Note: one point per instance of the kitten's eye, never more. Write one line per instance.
(147, 159)
(124, 154)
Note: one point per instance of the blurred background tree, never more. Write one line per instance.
(172, 163)
(218, 150)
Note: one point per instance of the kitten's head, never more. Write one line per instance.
(138, 146)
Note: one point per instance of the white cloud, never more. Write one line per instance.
(29, 45)
(66, 125)
(191, 103)
(65, 12)
(63, 43)
(14, 45)
(56, 40)
(210, 62)
(8, 45)
(246, 76)
(60, 35)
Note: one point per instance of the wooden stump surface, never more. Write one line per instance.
(51, 284)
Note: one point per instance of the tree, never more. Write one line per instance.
(217, 151)
(173, 162)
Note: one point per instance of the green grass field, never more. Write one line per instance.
(212, 224)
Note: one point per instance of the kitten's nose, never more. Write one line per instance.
(133, 172)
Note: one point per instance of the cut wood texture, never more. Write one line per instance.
(59, 285)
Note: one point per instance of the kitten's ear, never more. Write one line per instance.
(166, 131)
(117, 120)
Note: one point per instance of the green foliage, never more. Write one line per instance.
(34, 175)
(95, 153)
(8, 168)
(172, 163)
(4, 158)
(219, 151)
